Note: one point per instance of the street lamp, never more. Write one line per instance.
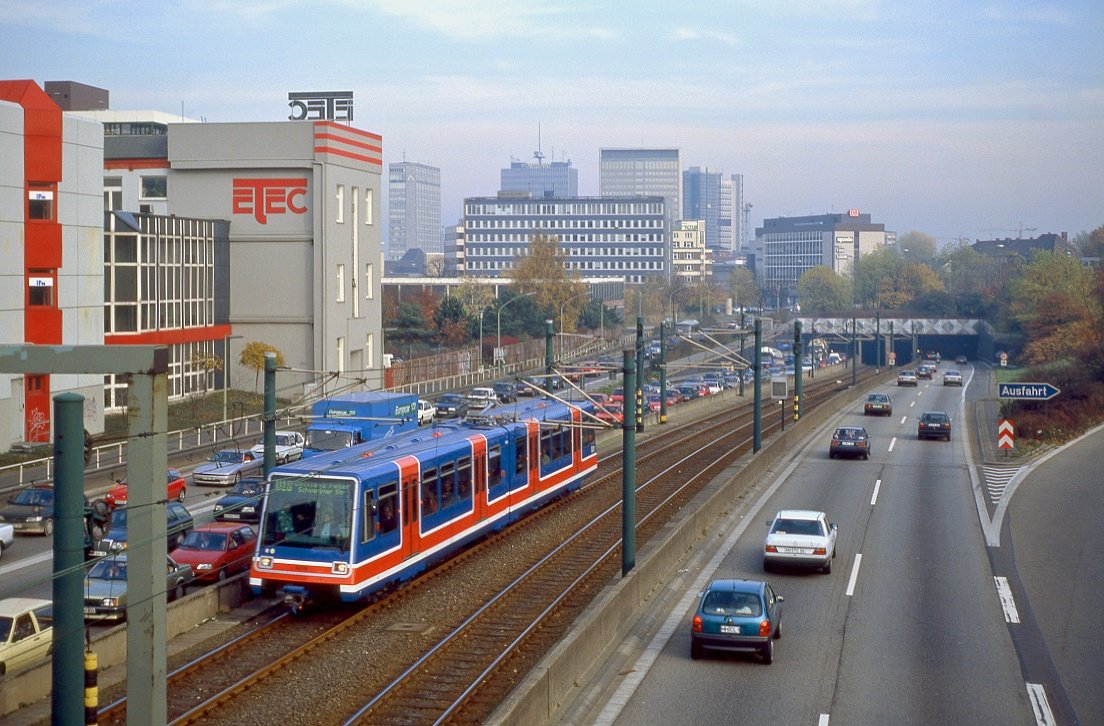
(498, 342)
(562, 306)
(485, 309)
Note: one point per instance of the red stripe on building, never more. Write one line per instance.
(169, 337)
(348, 130)
(132, 164)
(347, 155)
(348, 142)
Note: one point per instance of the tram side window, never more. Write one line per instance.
(448, 485)
(546, 446)
(387, 512)
(588, 439)
(521, 463)
(494, 466)
(429, 492)
(367, 521)
(464, 478)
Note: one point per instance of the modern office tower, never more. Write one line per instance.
(701, 199)
(540, 180)
(642, 172)
(732, 232)
(414, 208)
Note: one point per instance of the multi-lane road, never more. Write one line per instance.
(921, 621)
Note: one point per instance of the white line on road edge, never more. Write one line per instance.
(1008, 603)
(1037, 695)
(892, 443)
(854, 575)
(877, 486)
(823, 720)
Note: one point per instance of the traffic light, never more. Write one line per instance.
(96, 518)
(87, 448)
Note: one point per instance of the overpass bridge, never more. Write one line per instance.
(906, 336)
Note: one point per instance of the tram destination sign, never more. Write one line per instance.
(1027, 391)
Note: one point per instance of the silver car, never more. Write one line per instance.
(227, 467)
(800, 537)
(105, 586)
(952, 378)
(7, 537)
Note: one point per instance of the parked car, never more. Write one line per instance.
(849, 441)
(26, 632)
(482, 396)
(228, 466)
(961, 360)
(737, 616)
(878, 404)
(505, 390)
(452, 405)
(427, 412)
(952, 378)
(216, 551)
(105, 586)
(7, 538)
(243, 501)
(934, 425)
(906, 378)
(179, 522)
(800, 537)
(30, 510)
(116, 496)
(289, 447)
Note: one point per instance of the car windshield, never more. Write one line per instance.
(247, 488)
(203, 541)
(284, 441)
(108, 570)
(37, 497)
(718, 602)
(227, 457)
(331, 440)
(935, 417)
(797, 526)
(450, 398)
(848, 434)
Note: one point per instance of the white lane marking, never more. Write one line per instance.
(1008, 603)
(1037, 695)
(912, 403)
(904, 419)
(823, 720)
(892, 443)
(27, 562)
(877, 486)
(854, 575)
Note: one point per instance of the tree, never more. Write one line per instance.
(206, 362)
(921, 247)
(453, 323)
(1091, 244)
(742, 288)
(544, 272)
(821, 291)
(253, 357)
(870, 270)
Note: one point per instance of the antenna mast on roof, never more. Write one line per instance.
(538, 155)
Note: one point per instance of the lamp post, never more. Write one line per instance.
(562, 306)
(498, 339)
(226, 371)
(485, 309)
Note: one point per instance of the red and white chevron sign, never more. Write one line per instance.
(1006, 434)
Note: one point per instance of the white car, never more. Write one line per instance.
(7, 537)
(289, 446)
(952, 378)
(426, 412)
(482, 397)
(800, 537)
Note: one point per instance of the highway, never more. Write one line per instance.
(910, 627)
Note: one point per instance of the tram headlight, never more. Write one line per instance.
(264, 563)
(340, 568)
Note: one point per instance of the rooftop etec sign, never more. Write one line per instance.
(321, 106)
(1027, 391)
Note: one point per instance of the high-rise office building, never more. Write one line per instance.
(701, 199)
(642, 172)
(733, 234)
(414, 208)
(540, 180)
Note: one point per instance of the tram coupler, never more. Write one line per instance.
(296, 599)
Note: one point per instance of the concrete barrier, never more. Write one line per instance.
(557, 678)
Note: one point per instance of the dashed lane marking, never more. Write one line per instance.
(1037, 695)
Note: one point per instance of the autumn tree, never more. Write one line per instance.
(742, 288)
(917, 246)
(822, 291)
(544, 272)
(253, 357)
(206, 362)
(453, 323)
(870, 269)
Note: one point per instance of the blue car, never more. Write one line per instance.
(243, 502)
(740, 616)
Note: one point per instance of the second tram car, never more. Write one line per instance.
(343, 527)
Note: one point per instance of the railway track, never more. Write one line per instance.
(465, 660)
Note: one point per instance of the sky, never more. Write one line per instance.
(974, 120)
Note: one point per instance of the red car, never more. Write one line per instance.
(613, 413)
(217, 550)
(177, 487)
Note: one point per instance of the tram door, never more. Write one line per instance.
(411, 541)
(479, 474)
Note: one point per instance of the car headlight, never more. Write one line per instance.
(34, 518)
(204, 566)
(250, 510)
(218, 508)
(110, 602)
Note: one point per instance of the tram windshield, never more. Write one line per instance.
(309, 513)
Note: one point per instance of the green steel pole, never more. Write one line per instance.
(891, 340)
(628, 472)
(67, 696)
(854, 350)
(639, 389)
(878, 340)
(798, 388)
(269, 420)
(663, 371)
(757, 356)
(549, 360)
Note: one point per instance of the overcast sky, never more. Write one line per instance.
(956, 119)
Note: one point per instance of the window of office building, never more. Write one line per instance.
(40, 288)
(155, 187)
(40, 202)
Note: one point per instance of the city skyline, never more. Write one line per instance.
(957, 121)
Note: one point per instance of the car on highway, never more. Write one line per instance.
(952, 378)
(216, 551)
(934, 425)
(426, 412)
(878, 404)
(926, 370)
(906, 378)
(801, 537)
(177, 488)
(242, 502)
(737, 616)
(849, 441)
(7, 538)
(178, 523)
(26, 632)
(611, 412)
(105, 586)
(452, 405)
(482, 396)
(505, 390)
(961, 360)
(289, 447)
(30, 510)
(228, 466)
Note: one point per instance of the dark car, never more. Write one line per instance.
(243, 502)
(849, 441)
(31, 510)
(505, 390)
(934, 425)
(179, 523)
(741, 616)
(452, 405)
(961, 360)
(878, 404)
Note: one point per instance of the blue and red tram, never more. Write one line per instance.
(342, 527)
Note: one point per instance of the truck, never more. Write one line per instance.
(349, 419)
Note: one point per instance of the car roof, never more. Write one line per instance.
(221, 527)
(935, 413)
(12, 606)
(732, 585)
(810, 514)
(877, 395)
(850, 428)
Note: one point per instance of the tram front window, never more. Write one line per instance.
(308, 513)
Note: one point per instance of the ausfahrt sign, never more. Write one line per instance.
(1027, 391)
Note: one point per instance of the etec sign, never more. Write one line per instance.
(264, 197)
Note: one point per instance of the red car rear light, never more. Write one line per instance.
(765, 627)
(820, 551)
(697, 625)
(772, 548)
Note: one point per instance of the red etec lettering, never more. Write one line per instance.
(262, 197)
